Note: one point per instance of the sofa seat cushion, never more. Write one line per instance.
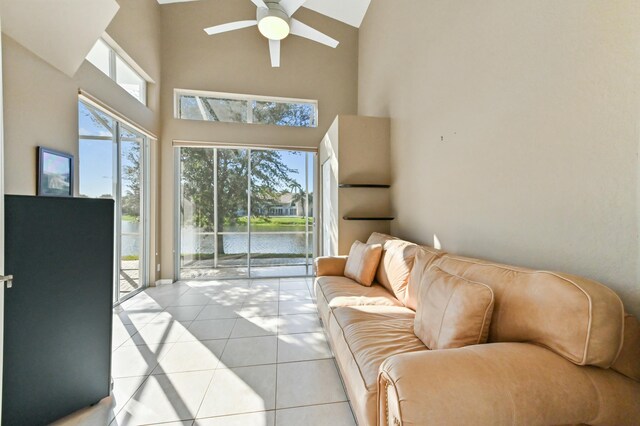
(342, 291)
(371, 342)
(628, 362)
(362, 338)
(353, 314)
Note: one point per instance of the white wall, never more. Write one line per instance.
(515, 129)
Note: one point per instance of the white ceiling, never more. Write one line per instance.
(348, 11)
(60, 32)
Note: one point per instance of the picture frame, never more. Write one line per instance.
(55, 173)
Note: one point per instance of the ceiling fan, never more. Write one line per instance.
(275, 22)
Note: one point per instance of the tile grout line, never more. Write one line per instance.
(275, 396)
(321, 404)
(220, 365)
(220, 362)
(230, 368)
(146, 376)
(213, 375)
(115, 414)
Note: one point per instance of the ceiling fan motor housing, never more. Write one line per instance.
(273, 23)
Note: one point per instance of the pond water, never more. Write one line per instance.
(131, 243)
(193, 241)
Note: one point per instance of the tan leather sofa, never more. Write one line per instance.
(561, 349)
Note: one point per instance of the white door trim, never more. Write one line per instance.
(1, 225)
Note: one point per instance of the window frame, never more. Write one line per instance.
(179, 93)
(113, 73)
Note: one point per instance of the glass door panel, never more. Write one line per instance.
(131, 213)
(244, 213)
(197, 217)
(311, 219)
(214, 235)
(112, 162)
(278, 214)
(232, 206)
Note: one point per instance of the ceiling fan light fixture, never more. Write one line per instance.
(273, 23)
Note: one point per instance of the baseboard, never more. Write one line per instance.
(163, 282)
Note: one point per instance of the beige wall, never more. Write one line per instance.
(514, 129)
(358, 150)
(40, 102)
(238, 62)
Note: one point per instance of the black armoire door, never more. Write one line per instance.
(57, 325)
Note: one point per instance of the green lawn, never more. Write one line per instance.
(275, 221)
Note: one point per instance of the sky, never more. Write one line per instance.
(297, 161)
(96, 159)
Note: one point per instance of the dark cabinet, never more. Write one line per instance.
(58, 313)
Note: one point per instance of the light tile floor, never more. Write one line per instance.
(216, 353)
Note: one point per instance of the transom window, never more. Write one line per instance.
(234, 108)
(109, 62)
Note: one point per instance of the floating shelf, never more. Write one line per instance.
(367, 218)
(362, 185)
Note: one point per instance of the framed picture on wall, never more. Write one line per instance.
(55, 173)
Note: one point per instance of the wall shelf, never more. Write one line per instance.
(350, 213)
(367, 218)
(362, 185)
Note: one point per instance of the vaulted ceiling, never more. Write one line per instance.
(67, 30)
(60, 32)
(350, 12)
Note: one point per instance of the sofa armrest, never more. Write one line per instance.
(500, 383)
(330, 266)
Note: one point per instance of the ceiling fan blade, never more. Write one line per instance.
(274, 50)
(291, 6)
(173, 1)
(303, 30)
(231, 26)
(260, 3)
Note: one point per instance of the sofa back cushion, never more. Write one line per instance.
(379, 238)
(628, 362)
(425, 256)
(395, 264)
(579, 319)
(362, 262)
(453, 312)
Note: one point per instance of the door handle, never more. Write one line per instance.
(8, 279)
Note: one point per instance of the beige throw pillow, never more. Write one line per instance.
(452, 312)
(362, 262)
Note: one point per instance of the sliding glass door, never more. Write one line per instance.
(244, 212)
(131, 211)
(113, 164)
(213, 207)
